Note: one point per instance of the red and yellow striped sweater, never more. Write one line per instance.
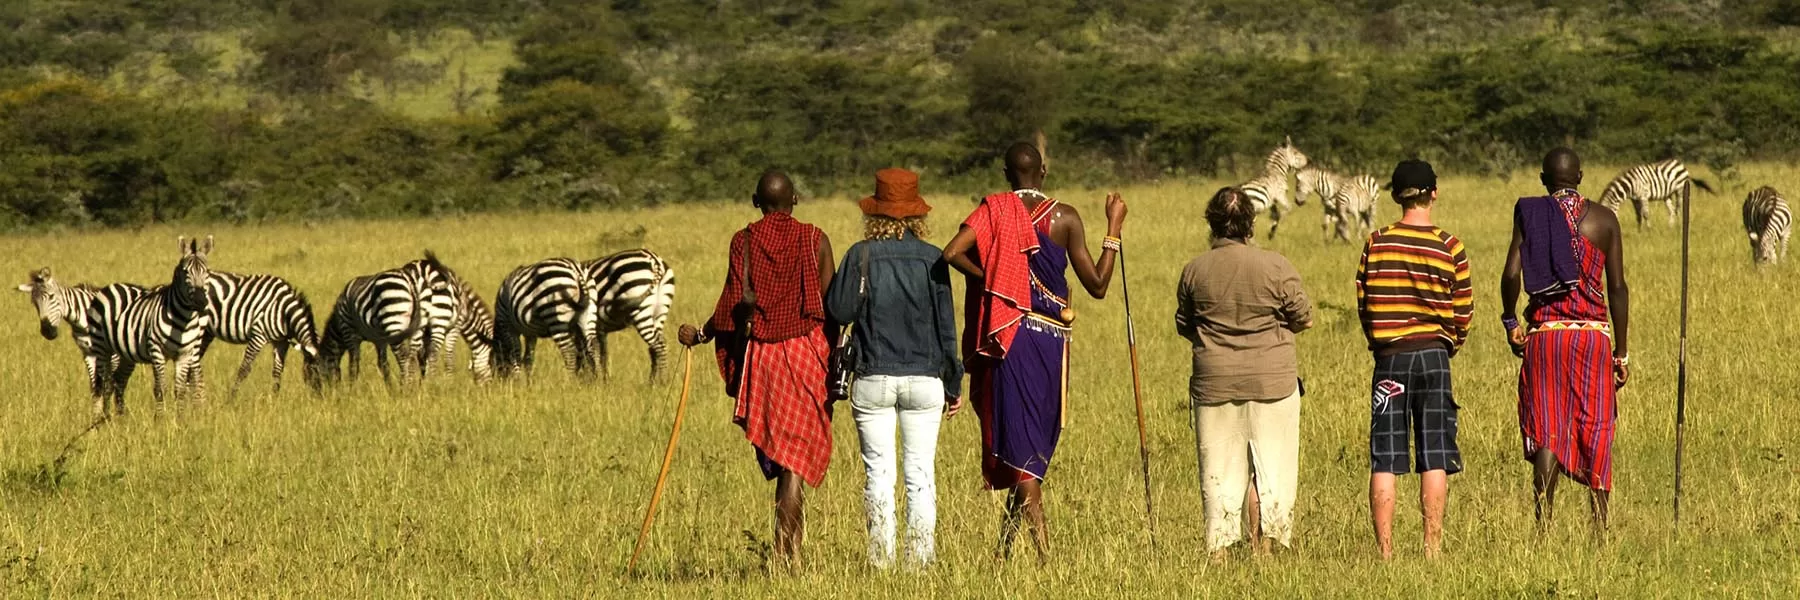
(1412, 290)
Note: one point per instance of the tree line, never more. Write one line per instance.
(638, 103)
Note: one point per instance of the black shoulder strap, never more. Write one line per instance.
(862, 286)
(748, 293)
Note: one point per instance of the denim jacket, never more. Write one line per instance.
(908, 324)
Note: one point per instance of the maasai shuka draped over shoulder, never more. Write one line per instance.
(784, 270)
(1004, 240)
(1567, 402)
(778, 374)
(1020, 398)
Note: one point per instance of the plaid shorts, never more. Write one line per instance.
(1411, 393)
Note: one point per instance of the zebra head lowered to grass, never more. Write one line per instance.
(474, 323)
(163, 326)
(1767, 221)
(262, 310)
(387, 309)
(1659, 181)
(56, 303)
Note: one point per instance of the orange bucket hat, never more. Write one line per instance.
(896, 195)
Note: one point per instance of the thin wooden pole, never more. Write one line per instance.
(1137, 394)
(662, 478)
(1681, 358)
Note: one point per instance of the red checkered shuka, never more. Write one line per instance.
(1004, 240)
(781, 403)
(784, 271)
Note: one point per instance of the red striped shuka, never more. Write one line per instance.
(1567, 400)
(1413, 291)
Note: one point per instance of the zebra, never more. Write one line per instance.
(389, 309)
(1269, 192)
(1648, 183)
(633, 288)
(474, 323)
(1347, 200)
(258, 310)
(1767, 220)
(548, 298)
(55, 302)
(162, 325)
(434, 280)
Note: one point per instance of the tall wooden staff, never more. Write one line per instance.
(662, 478)
(1137, 395)
(1681, 360)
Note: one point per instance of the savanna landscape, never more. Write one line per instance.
(320, 140)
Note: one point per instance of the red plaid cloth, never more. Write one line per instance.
(781, 404)
(784, 271)
(1004, 241)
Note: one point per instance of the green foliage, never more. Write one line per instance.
(319, 44)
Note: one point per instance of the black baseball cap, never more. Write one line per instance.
(1413, 174)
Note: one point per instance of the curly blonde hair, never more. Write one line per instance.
(881, 227)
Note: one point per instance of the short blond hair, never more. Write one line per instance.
(882, 227)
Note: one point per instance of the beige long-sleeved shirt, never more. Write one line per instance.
(1241, 306)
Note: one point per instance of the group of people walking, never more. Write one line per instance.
(785, 304)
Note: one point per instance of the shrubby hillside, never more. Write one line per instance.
(121, 113)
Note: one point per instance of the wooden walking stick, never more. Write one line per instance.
(662, 478)
(1137, 394)
(1681, 358)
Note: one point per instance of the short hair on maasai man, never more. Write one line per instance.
(1231, 214)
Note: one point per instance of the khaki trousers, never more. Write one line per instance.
(1239, 439)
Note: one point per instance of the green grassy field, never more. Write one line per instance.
(536, 487)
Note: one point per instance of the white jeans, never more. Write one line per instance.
(916, 405)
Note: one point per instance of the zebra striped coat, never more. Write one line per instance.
(390, 310)
(259, 310)
(634, 288)
(1269, 192)
(1643, 184)
(164, 325)
(1349, 202)
(1767, 221)
(474, 323)
(55, 303)
(545, 299)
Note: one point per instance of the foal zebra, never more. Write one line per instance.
(1767, 220)
(1648, 183)
(162, 325)
(1347, 201)
(1269, 192)
(258, 310)
(548, 298)
(54, 303)
(633, 288)
(389, 309)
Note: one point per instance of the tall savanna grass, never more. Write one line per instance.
(534, 487)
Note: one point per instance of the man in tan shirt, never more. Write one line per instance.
(1241, 306)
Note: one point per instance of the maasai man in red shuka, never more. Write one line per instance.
(1566, 248)
(1015, 250)
(772, 350)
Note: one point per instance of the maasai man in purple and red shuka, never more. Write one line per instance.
(772, 350)
(1574, 337)
(1015, 249)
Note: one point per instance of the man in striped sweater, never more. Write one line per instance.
(1415, 301)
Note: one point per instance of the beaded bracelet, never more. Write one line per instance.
(1112, 243)
(1510, 323)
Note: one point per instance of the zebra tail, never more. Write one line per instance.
(1702, 184)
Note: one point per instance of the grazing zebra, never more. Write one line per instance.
(1269, 192)
(388, 309)
(1648, 183)
(548, 298)
(440, 310)
(163, 325)
(258, 310)
(1767, 220)
(633, 288)
(54, 303)
(474, 323)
